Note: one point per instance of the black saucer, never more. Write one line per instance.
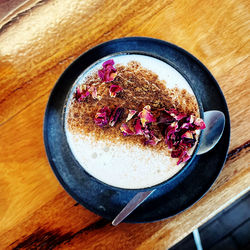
(177, 194)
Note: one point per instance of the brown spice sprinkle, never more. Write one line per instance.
(141, 87)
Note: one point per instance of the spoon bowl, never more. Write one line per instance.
(215, 123)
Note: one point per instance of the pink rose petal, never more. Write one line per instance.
(93, 92)
(81, 93)
(84, 91)
(102, 117)
(146, 116)
(114, 89)
(108, 72)
(131, 113)
(138, 128)
(109, 63)
(126, 130)
(170, 131)
(187, 126)
(191, 119)
(200, 123)
(175, 114)
(188, 135)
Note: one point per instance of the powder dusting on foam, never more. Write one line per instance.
(164, 71)
(125, 165)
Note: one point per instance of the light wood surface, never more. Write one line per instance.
(37, 43)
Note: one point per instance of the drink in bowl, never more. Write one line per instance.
(132, 121)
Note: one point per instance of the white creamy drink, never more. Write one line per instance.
(104, 152)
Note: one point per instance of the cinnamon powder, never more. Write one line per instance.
(141, 87)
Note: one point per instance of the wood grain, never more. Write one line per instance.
(38, 43)
(7, 7)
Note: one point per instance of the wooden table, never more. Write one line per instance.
(38, 40)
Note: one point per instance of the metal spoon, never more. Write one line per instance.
(215, 123)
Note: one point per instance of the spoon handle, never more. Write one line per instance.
(131, 206)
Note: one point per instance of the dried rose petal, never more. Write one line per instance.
(176, 153)
(183, 157)
(114, 89)
(171, 129)
(146, 116)
(116, 114)
(187, 126)
(175, 114)
(187, 139)
(108, 72)
(165, 118)
(84, 91)
(126, 130)
(151, 139)
(179, 132)
(170, 137)
(187, 143)
(138, 128)
(131, 113)
(81, 93)
(102, 117)
(188, 135)
(200, 123)
(93, 92)
(108, 63)
(191, 119)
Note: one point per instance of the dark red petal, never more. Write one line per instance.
(180, 134)
(171, 129)
(171, 134)
(188, 143)
(151, 139)
(177, 152)
(116, 114)
(183, 157)
(165, 118)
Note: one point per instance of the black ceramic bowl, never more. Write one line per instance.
(171, 196)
